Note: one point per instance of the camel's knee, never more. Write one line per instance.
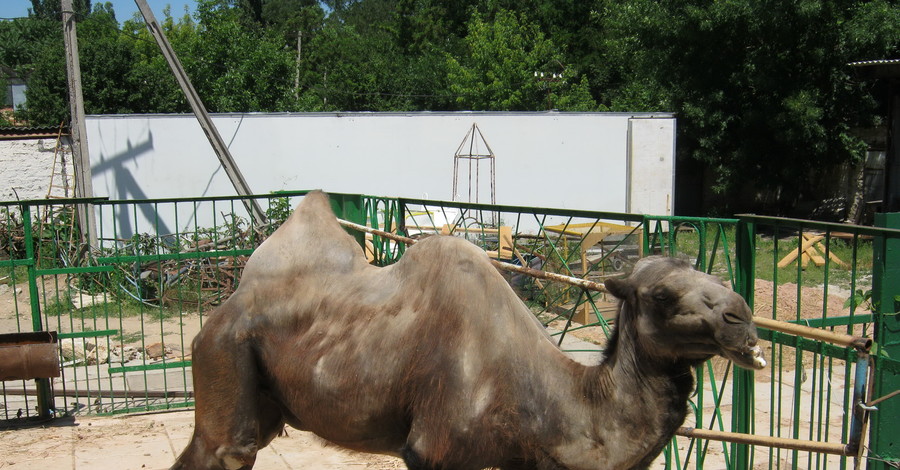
(200, 456)
(415, 461)
(237, 457)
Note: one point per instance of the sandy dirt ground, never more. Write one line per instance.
(152, 442)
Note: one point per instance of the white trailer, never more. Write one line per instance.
(620, 162)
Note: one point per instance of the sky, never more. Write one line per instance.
(124, 8)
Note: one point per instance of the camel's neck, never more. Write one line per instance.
(631, 391)
(627, 362)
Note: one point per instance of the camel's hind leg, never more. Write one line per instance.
(234, 417)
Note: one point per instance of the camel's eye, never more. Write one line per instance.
(662, 295)
(732, 318)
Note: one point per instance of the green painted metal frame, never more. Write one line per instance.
(884, 440)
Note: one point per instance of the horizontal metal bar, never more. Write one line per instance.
(7, 263)
(574, 281)
(174, 256)
(527, 210)
(677, 218)
(803, 344)
(827, 336)
(887, 364)
(801, 224)
(85, 269)
(88, 334)
(159, 366)
(56, 202)
(767, 441)
(846, 320)
(74, 392)
(154, 408)
(204, 199)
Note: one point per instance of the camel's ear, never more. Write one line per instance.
(619, 287)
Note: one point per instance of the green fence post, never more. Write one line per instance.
(884, 433)
(742, 413)
(44, 397)
(350, 207)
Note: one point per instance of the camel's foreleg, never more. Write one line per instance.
(233, 417)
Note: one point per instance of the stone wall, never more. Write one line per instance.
(26, 167)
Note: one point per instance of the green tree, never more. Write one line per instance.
(237, 66)
(509, 64)
(762, 90)
(52, 9)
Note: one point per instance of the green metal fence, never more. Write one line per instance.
(127, 309)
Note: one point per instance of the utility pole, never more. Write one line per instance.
(297, 64)
(218, 144)
(82, 162)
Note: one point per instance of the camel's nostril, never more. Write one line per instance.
(732, 318)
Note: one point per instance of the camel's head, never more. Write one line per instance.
(683, 314)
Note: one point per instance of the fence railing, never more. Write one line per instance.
(126, 309)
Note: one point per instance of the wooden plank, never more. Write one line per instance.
(793, 254)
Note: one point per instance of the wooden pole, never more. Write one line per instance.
(206, 123)
(818, 334)
(81, 158)
(838, 339)
(768, 441)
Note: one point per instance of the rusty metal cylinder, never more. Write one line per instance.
(26, 356)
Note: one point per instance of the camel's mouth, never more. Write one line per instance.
(748, 357)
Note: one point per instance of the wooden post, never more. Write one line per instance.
(82, 162)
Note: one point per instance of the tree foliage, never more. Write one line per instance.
(761, 88)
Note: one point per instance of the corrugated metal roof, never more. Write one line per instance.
(883, 68)
(864, 63)
(27, 133)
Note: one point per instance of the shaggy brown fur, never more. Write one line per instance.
(436, 360)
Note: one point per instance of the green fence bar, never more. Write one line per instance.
(884, 436)
(742, 418)
(44, 397)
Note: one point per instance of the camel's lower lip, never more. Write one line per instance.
(751, 358)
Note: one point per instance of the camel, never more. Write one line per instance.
(435, 359)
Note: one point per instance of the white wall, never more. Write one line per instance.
(26, 167)
(560, 160)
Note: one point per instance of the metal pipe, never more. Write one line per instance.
(574, 281)
(857, 342)
(858, 403)
(768, 441)
(60, 392)
(847, 341)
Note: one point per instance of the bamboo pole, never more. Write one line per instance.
(819, 334)
(767, 441)
(583, 283)
(838, 339)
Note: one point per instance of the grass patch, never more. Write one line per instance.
(716, 251)
(853, 262)
(12, 275)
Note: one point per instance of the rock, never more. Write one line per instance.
(157, 351)
(83, 351)
(124, 355)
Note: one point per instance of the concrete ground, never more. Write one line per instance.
(152, 441)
